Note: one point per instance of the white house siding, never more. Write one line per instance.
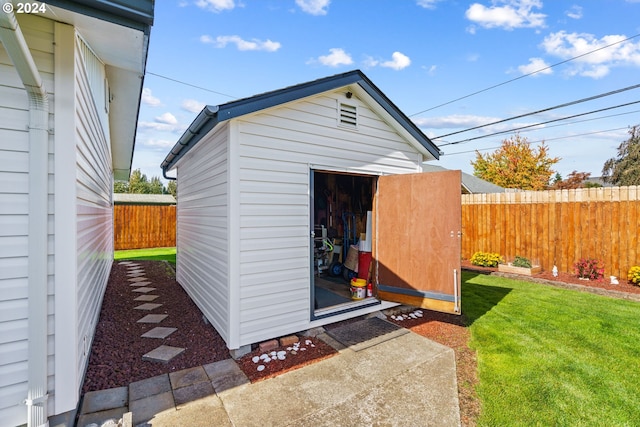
(202, 228)
(94, 210)
(276, 148)
(14, 204)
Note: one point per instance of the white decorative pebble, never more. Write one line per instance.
(313, 345)
(294, 352)
(264, 356)
(255, 359)
(281, 353)
(260, 368)
(307, 342)
(303, 349)
(273, 353)
(282, 357)
(289, 348)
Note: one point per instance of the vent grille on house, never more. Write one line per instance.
(348, 115)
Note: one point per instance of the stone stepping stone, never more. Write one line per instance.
(137, 279)
(146, 298)
(135, 270)
(147, 306)
(138, 274)
(153, 318)
(140, 284)
(143, 290)
(163, 354)
(159, 332)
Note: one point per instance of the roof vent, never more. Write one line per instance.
(348, 115)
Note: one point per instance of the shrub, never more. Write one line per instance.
(486, 259)
(634, 275)
(520, 261)
(589, 268)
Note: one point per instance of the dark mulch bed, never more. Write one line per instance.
(117, 350)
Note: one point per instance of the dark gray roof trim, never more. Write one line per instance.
(136, 14)
(210, 116)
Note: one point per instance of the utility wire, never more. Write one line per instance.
(524, 75)
(191, 85)
(544, 110)
(538, 124)
(533, 142)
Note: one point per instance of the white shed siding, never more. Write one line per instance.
(276, 148)
(203, 228)
(94, 210)
(14, 201)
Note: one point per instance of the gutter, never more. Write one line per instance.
(206, 117)
(14, 43)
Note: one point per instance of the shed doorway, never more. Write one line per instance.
(411, 228)
(341, 206)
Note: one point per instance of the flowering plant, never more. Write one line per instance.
(486, 259)
(589, 268)
(634, 275)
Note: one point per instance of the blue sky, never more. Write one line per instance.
(448, 65)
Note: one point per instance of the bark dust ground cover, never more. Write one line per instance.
(116, 354)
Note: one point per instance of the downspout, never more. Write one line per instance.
(14, 43)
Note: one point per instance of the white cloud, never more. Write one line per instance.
(428, 4)
(398, 61)
(575, 12)
(157, 143)
(216, 6)
(149, 99)
(165, 122)
(534, 65)
(597, 64)
(314, 7)
(513, 14)
(453, 121)
(241, 44)
(167, 118)
(335, 58)
(192, 106)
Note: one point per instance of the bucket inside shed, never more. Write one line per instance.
(341, 216)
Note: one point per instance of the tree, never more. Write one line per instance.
(172, 188)
(516, 165)
(574, 180)
(624, 169)
(139, 184)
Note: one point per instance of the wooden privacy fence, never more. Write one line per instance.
(144, 226)
(556, 227)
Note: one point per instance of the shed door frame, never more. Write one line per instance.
(342, 308)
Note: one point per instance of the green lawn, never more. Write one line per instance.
(552, 357)
(154, 254)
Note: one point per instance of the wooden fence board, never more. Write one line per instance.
(557, 227)
(144, 226)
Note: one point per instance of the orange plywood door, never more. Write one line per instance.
(417, 240)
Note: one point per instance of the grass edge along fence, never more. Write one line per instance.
(144, 226)
(556, 227)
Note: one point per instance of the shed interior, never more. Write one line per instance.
(342, 206)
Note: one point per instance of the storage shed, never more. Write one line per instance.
(278, 189)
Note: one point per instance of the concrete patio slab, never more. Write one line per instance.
(187, 377)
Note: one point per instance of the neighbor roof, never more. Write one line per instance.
(143, 199)
(210, 116)
(470, 184)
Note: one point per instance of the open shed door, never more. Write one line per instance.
(416, 246)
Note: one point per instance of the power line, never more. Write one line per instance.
(524, 75)
(544, 110)
(533, 142)
(191, 85)
(541, 123)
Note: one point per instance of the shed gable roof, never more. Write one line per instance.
(210, 116)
